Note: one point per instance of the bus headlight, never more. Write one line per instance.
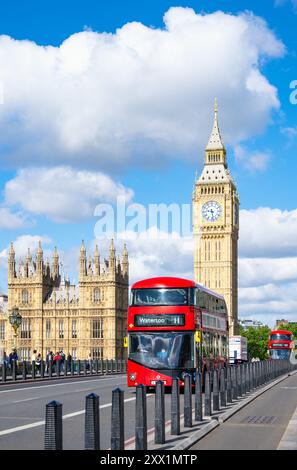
(133, 377)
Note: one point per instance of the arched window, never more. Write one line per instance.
(96, 295)
(25, 296)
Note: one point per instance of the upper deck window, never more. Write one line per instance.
(161, 296)
(279, 336)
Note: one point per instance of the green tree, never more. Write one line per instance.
(257, 339)
(292, 327)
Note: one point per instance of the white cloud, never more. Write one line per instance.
(10, 220)
(252, 160)
(61, 193)
(108, 99)
(22, 243)
(267, 232)
(279, 3)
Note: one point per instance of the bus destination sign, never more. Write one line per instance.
(160, 320)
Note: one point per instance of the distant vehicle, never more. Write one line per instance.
(174, 327)
(237, 349)
(280, 344)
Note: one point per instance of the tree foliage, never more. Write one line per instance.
(257, 339)
(289, 327)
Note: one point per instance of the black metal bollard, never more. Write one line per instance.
(4, 369)
(117, 420)
(112, 366)
(78, 367)
(229, 385)
(160, 413)
(238, 371)
(33, 370)
(14, 370)
(92, 423)
(247, 376)
(223, 392)
(72, 367)
(207, 394)
(175, 407)
(215, 392)
(42, 368)
(188, 401)
(198, 397)
(140, 419)
(234, 381)
(242, 379)
(53, 437)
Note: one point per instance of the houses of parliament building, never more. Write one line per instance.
(84, 319)
(90, 318)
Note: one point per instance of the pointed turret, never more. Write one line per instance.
(11, 262)
(28, 262)
(55, 264)
(125, 261)
(82, 260)
(39, 259)
(112, 256)
(97, 261)
(215, 151)
(28, 257)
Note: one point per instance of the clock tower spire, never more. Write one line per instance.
(216, 225)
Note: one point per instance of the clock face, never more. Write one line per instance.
(211, 211)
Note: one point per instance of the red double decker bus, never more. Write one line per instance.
(280, 344)
(174, 327)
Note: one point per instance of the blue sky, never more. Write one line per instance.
(53, 131)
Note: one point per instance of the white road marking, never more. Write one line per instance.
(69, 415)
(58, 385)
(21, 401)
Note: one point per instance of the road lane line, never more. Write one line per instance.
(21, 401)
(69, 415)
(57, 385)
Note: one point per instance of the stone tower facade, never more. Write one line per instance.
(88, 318)
(216, 226)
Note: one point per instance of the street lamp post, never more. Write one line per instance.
(15, 319)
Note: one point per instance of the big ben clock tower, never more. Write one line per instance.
(216, 226)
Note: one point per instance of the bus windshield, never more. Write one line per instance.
(162, 296)
(279, 353)
(279, 336)
(162, 350)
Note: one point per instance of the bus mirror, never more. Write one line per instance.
(197, 336)
(125, 341)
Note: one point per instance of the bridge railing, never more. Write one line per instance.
(27, 370)
(222, 387)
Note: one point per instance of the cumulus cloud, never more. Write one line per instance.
(23, 242)
(267, 232)
(111, 99)
(61, 193)
(10, 220)
(252, 160)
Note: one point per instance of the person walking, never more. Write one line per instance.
(38, 363)
(69, 361)
(56, 361)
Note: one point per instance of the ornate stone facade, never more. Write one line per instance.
(83, 319)
(216, 226)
